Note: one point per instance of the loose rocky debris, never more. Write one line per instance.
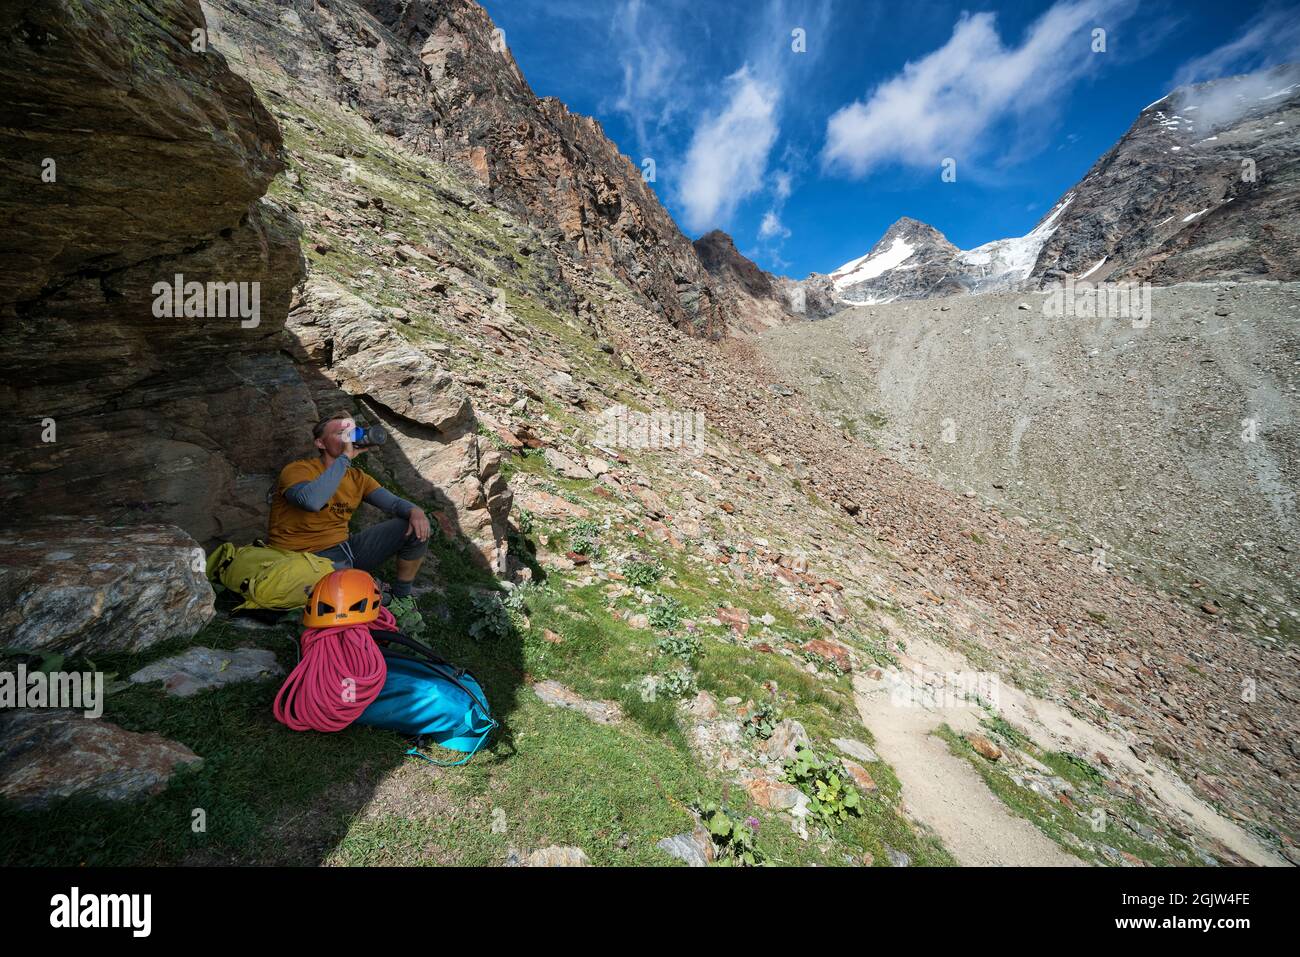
(82, 587)
(558, 696)
(50, 754)
(199, 668)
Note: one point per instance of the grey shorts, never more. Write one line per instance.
(369, 549)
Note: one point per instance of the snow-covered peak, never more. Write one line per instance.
(872, 265)
(913, 260)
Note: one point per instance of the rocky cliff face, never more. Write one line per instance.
(136, 160)
(437, 76)
(763, 298)
(146, 347)
(1204, 185)
(811, 298)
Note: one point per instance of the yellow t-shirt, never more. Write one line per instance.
(299, 530)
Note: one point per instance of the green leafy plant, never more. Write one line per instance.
(667, 613)
(584, 536)
(734, 838)
(643, 574)
(685, 647)
(877, 650)
(525, 521)
(517, 598)
(676, 684)
(821, 661)
(830, 795)
(1082, 769)
(1006, 732)
(762, 721)
(491, 617)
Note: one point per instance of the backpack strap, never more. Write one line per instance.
(416, 752)
(422, 651)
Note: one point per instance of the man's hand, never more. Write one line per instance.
(352, 451)
(418, 523)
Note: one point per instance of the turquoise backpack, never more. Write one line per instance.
(425, 696)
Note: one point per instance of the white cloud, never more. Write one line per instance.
(654, 71)
(1271, 37)
(951, 100)
(783, 186)
(728, 154)
(771, 226)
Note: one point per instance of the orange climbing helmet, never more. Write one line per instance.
(346, 597)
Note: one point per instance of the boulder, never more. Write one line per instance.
(735, 618)
(855, 749)
(861, 777)
(558, 696)
(703, 707)
(772, 794)
(553, 856)
(78, 587)
(565, 466)
(831, 651)
(50, 754)
(984, 747)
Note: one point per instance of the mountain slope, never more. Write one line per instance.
(760, 297)
(435, 75)
(1204, 185)
(912, 260)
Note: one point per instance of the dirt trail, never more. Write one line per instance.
(943, 791)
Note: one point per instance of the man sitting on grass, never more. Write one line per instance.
(314, 501)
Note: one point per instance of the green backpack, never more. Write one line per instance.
(266, 577)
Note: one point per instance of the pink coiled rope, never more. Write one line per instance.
(341, 672)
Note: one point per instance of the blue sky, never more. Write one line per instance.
(806, 158)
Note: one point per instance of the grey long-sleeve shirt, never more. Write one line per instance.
(315, 495)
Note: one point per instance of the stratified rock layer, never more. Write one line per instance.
(80, 588)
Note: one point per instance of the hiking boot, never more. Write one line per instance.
(409, 619)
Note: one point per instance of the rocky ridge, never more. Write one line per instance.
(1203, 186)
(762, 300)
(437, 76)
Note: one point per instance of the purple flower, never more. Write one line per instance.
(752, 824)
